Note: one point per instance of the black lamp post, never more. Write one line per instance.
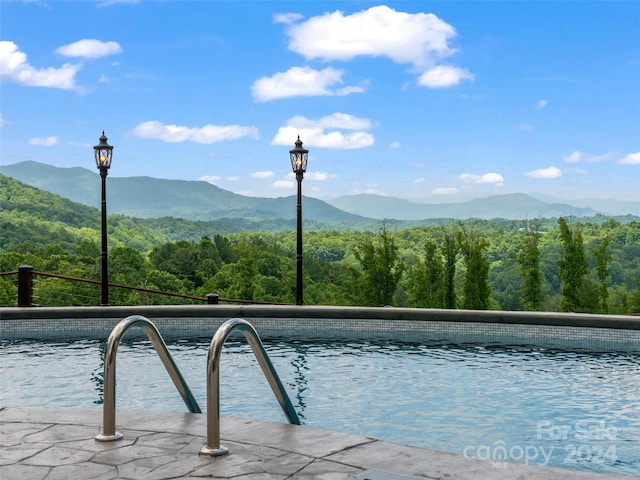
(103, 152)
(299, 157)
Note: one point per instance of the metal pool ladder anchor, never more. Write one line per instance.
(109, 433)
(213, 446)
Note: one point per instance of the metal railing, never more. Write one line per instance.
(25, 283)
(109, 432)
(213, 446)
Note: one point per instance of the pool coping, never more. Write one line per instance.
(59, 443)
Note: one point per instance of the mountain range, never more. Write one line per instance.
(147, 197)
(512, 206)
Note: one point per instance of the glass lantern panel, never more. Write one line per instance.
(103, 158)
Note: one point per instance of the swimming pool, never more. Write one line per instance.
(541, 405)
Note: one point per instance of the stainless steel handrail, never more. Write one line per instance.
(109, 433)
(213, 446)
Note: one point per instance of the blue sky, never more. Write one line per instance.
(428, 101)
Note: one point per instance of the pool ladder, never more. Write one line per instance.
(213, 446)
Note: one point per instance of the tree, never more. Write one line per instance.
(243, 286)
(451, 248)
(225, 250)
(127, 266)
(634, 300)
(531, 294)
(381, 270)
(209, 261)
(164, 281)
(426, 289)
(573, 267)
(179, 258)
(603, 258)
(475, 286)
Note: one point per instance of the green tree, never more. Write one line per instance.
(380, 270)
(209, 261)
(243, 286)
(475, 285)
(450, 252)
(127, 266)
(603, 257)
(225, 250)
(88, 251)
(178, 258)
(427, 279)
(416, 279)
(634, 298)
(573, 267)
(531, 294)
(165, 282)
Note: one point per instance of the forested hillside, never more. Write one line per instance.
(148, 197)
(566, 264)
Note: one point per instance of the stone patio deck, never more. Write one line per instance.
(58, 443)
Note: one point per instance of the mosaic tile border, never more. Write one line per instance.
(308, 324)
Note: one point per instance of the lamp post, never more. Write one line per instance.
(299, 157)
(103, 152)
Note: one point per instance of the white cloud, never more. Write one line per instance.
(2, 121)
(419, 180)
(549, 172)
(15, 66)
(316, 137)
(206, 134)
(368, 191)
(301, 81)
(377, 32)
(542, 103)
(318, 176)
(445, 191)
(487, 178)
(394, 145)
(418, 39)
(44, 141)
(287, 18)
(343, 121)
(525, 127)
(262, 174)
(284, 184)
(601, 158)
(631, 159)
(313, 132)
(444, 76)
(290, 179)
(213, 179)
(573, 157)
(89, 48)
(577, 156)
(344, 91)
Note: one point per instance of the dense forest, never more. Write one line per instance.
(563, 264)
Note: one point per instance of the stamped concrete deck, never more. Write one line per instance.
(58, 443)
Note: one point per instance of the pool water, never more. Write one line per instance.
(533, 405)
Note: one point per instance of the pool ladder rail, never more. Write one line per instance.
(213, 447)
(109, 432)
